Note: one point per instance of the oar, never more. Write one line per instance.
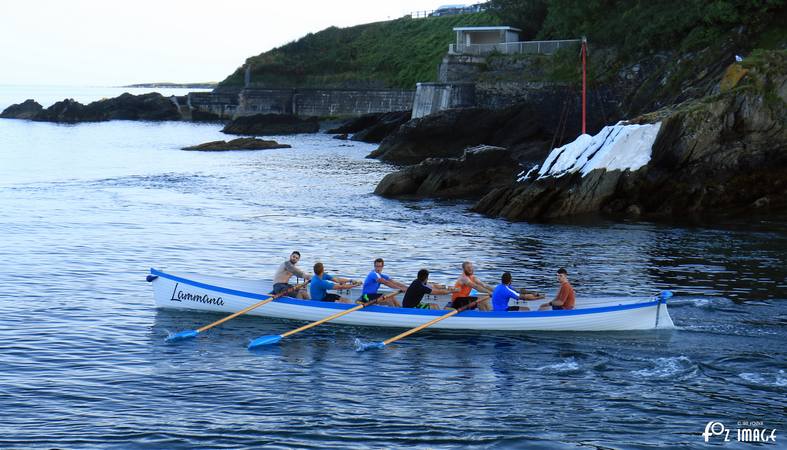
(275, 338)
(188, 334)
(381, 345)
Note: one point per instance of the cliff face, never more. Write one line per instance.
(722, 154)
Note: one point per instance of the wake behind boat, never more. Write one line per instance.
(230, 295)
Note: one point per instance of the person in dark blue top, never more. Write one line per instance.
(322, 282)
(504, 292)
(414, 296)
(372, 284)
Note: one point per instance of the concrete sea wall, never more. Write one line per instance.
(433, 97)
(302, 102)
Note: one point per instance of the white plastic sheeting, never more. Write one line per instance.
(617, 147)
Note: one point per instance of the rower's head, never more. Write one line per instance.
(423, 275)
(295, 257)
(506, 278)
(318, 268)
(378, 265)
(467, 268)
(562, 275)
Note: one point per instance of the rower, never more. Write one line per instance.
(504, 292)
(413, 298)
(322, 282)
(466, 283)
(281, 280)
(372, 284)
(565, 296)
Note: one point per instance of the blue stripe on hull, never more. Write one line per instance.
(413, 311)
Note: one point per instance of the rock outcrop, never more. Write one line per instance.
(153, 106)
(374, 127)
(719, 155)
(272, 124)
(28, 109)
(448, 133)
(237, 144)
(474, 174)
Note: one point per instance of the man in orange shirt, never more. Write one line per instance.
(464, 285)
(565, 296)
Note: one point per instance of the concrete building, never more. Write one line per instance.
(482, 37)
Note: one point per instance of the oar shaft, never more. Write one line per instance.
(234, 315)
(338, 314)
(420, 327)
(249, 308)
(434, 321)
(321, 321)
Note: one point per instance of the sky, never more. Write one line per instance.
(112, 43)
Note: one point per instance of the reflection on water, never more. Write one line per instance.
(87, 209)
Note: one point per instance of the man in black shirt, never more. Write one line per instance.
(418, 288)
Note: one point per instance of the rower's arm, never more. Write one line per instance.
(481, 286)
(393, 284)
(439, 291)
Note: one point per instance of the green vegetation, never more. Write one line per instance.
(635, 26)
(396, 53)
(402, 52)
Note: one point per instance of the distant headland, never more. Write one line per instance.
(205, 85)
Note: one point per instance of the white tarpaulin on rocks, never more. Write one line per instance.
(617, 147)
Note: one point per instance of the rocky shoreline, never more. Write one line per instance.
(152, 107)
(721, 154)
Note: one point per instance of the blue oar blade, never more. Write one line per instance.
(665, 295)
(361, 346)
(182, 336)
(265, 340)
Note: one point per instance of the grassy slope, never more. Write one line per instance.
(396, 53)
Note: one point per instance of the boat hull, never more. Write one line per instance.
(215, 294)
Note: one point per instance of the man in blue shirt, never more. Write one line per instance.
(373, 281)
(322, 282)
(504, 292)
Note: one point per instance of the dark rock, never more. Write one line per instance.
(28, 109)
(447, 133)
(268, 124)
(68, 111)
(238, 144)
(374, 127)
(356, 124)
(633, 211)
(479, 170)
(205, 116)
(724, 154)
(387, 124)
(153, 106)
(342, 137)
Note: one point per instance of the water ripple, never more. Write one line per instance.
(83, 362)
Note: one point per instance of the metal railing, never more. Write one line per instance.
(510, 48)
(467, 9)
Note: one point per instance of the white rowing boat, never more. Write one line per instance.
(230, 295)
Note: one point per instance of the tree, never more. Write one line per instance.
(528, 15)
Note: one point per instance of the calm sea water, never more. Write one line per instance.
(86, 209)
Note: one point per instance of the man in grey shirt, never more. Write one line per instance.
(281, 281)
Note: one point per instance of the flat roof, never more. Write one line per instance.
(485, 28)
